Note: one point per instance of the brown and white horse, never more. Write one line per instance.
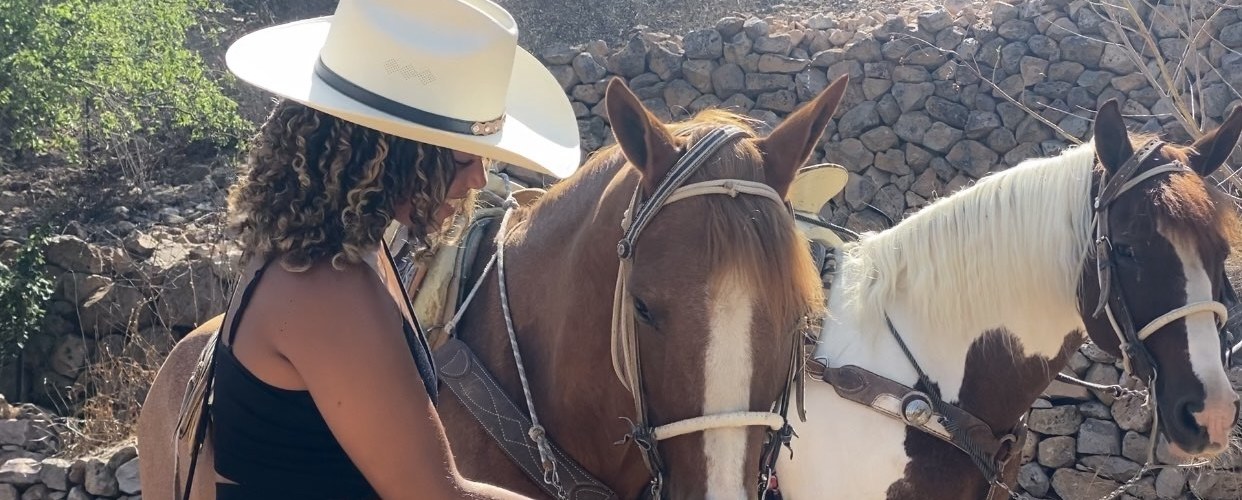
(991, 288)
(717, 286)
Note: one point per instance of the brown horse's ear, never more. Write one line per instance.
(791, 143)
(643, 139)
(1211, 150)
(1112, 141)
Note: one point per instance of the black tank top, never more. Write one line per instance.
(274, 442)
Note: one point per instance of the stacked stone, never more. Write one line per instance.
(934, 103)
(1084, 444)
(27, 473)
(113, 301)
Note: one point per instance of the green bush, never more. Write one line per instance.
(24, 293)
(78, 74)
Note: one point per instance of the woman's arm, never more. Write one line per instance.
(343, 335)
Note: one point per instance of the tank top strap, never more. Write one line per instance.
(233, 316)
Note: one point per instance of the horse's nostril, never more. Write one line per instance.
(1185, 413)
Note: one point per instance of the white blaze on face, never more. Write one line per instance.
(727, 375)
(1204, 345)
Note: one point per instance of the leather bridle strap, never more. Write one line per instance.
(625, 353)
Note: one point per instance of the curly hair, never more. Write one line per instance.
(318, 187)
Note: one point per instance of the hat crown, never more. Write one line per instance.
(453, 58)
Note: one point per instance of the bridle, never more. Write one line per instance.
(625, 352)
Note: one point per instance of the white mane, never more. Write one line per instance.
(1017, 237)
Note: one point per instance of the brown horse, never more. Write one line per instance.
(711, 299)
(990, 290)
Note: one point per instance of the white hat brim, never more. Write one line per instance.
(540, 131)
(813, 186)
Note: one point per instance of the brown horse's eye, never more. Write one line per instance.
(644, 314)
(1124, 250)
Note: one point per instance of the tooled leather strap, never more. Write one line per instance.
(507, 424)
(955, 426)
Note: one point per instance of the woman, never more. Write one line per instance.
(323, 384)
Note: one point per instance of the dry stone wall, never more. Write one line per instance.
(936, 100)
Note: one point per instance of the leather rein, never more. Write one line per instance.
(994, 455)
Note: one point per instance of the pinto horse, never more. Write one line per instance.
(943, 330)
(704, 312)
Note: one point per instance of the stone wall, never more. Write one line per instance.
(936, 100)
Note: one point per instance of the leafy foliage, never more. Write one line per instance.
(81, 73)
(24, 293)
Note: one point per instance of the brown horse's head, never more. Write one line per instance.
(717, 285)
(1167, 240)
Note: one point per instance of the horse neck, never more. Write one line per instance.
(561, 269)
(981, 286)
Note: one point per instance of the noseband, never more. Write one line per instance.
(625, 353)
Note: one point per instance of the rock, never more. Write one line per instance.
(17, 432)
(980, 123)
(728, 79)
(866, 50)
(1094, 353)
(850, 153)
(889, 110)
(912, 96)
(947, 111)
(926, 184)
(699, 74)
(1015, 29)
(972, 157)
(127, 477)
(809, 83)
(739, 103)
(8, 492)
(1217, 485)
(191, 294)
(880, 139)
(762, 82)
(70, 356)
(889, 199)
(858, 119)
(1022, 152)
(928, 57)
(1117, 59)
(1057, 421)
(78, 493)
(1170, 482)
(1065, 71)
(755, 27)
(1070, 484)
(826, 58)
(911, 127)
(737, 49)
(1115, 468)
(100, 480)
(1099, 437)
(1216, 98)
(630, 61)
(917, 157)
(1131, 415)
(1105, 374)
(703, 44)
(821, 21)
(665, 60)
(20, 471)
(1094, 409)
(1076, 126)
(852, 68)
(1062, 391)
(933, 21)
(940, 137)
(783, 101)
(55, 473)
(37, 492)
(1033, 479)
(679, 94)
(588, 68)
(892, 161)
(1231, 36)
(1081, 49)
(779, 44)
(772, 63)
(72, 254)
(1056, 451)
(859, 190)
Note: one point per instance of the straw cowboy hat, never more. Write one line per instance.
(444, 72)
